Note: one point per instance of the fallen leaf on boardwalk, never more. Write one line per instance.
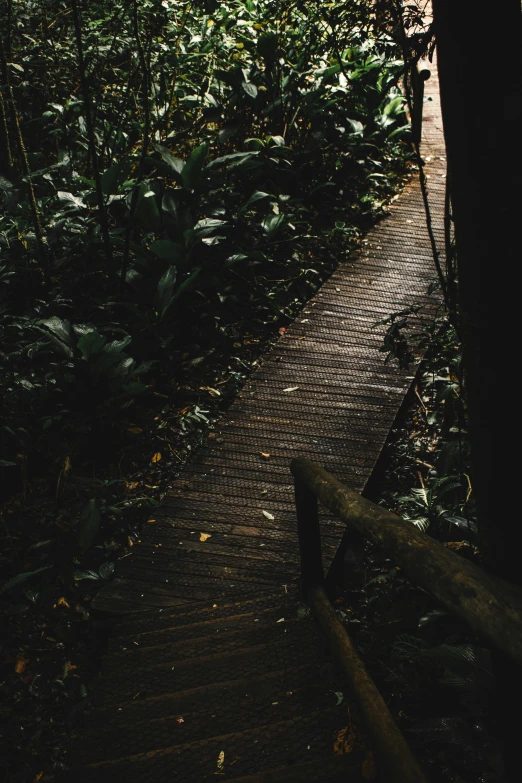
(211, 391)
(369, 771)
(156, 457)
(265, 454)
(268, 515)
(281, 620)
(21, 663)
(221, 761)
(37, 777)
(344, 741)
(62, 602)
(205, 536)
(282, 329)
(134, 430)
(291, 389)
(151, 521)
(180, 720)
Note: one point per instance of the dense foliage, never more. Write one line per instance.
(176, 179)
(185, 165)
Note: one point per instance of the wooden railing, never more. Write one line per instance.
(491, 607)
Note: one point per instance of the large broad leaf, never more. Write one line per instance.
(357, 127)
(16, 580)
(113, 178)
(169, 251)
(89, 524)
(166, 287)
(272, 224)
(395, 106)
(147, 209)
(203, 228)
(71, 200)
(175, 165)
(192, 169)
(185, 285)
(234, 159)
(176, 215)
(61, 334)
(91, 343)
(110, 355)
(250, 89)
(257, 195)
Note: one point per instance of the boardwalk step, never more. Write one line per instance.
(265, 748)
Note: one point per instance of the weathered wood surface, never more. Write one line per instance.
(339, 415)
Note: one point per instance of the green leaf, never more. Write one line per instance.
(89, 524)
(175, 165)
(91, 343)
(234, 158)
(73, 201)
(166, 287)
(192, 169)
(250, 89)
(181, 289)
(272, 224)
(395, 106)
(147, 208)
(257, 195)
(357, 127)
(16, 580)
(169, 251)
(113, 178)
(61, 334)
(106, 569)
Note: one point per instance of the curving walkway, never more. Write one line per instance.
(215, 655)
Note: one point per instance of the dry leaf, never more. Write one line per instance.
(62, 602)
(344, 741)
(37, 777)
(211, 391)
(21, 663)
(291, 389)
(151, 521)
(268, 515)
(205, 536)
(221, 761)
(134, 430)
(180, 720)
(281, 620)
(156, 457)
(265, 454)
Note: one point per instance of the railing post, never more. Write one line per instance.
(309, 535)
(418, 78)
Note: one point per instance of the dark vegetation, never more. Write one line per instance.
(176, 181)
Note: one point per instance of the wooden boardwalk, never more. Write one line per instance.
(206, 591)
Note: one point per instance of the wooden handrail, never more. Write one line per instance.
(396, 761)
(490, 606)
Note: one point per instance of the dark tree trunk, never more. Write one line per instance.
(478, 50)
